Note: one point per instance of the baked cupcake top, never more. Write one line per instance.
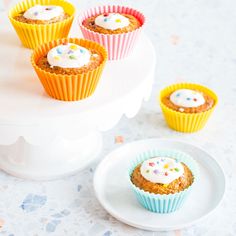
(162, 175)
(112, 23)
(70, 58)
(42, 14)
(188, 101)
(162, 170)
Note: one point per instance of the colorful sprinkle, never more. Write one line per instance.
(178, 94)
(56, 58)
(48, 8)
(188, 99)
(70, 51)
(166, 174)
(147, 171)
(194, 99)
(59, 51)
(73, 47)
(156, 172)
(151, 163)
(81, 50)
(166, 166)
(72, 57)
(118, 21)
(36, 13)
(65, 43)
(105, 20)
(105, 14)
(176, 169)
(158, 162)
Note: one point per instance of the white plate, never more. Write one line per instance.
(115, 195)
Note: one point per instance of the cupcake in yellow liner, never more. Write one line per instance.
(35, 32)
(187, 106)
(69, 69)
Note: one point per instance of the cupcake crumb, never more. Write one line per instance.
(119, 139)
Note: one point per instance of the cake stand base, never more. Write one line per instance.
(50, 161)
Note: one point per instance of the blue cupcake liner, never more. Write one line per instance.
(163, 203)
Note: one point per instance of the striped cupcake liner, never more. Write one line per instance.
(163, 203)
(118, 45)
(32, 35)
(186, 122)
(69, 87)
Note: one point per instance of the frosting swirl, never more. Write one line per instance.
(68, 55)
(40, 12)
(162, 170)
(187, 98)
(112, 21)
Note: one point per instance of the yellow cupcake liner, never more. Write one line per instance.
(186, 122)
(32, 35)
(69, 87)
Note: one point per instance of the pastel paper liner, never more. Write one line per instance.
(118, 45)
(186, 122)
(163, 203)
(69, 87)
(32, 35)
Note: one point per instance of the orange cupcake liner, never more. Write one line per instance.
(186, 122)
(69, 87)
(32, 35)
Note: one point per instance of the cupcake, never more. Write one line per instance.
(162, 179)
(69, 69)
(40, 21)
(187, 107)
(115, 27)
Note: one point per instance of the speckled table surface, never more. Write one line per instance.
(194, 41)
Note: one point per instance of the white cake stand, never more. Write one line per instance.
(43, 138)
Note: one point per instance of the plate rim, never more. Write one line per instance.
(168, 228)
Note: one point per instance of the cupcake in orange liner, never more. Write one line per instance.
(186, 106)
(69, 69)
(41, 21)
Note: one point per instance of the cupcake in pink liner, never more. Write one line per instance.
(115, 27)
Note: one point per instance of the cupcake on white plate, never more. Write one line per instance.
(162, 179)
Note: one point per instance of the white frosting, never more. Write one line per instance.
(68, 56)
(187, 98)
(162, 170)
(40, 12)
(112, 21)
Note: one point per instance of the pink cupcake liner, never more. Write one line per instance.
(118, 45)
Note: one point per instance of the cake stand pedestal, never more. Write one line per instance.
(43, 138)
